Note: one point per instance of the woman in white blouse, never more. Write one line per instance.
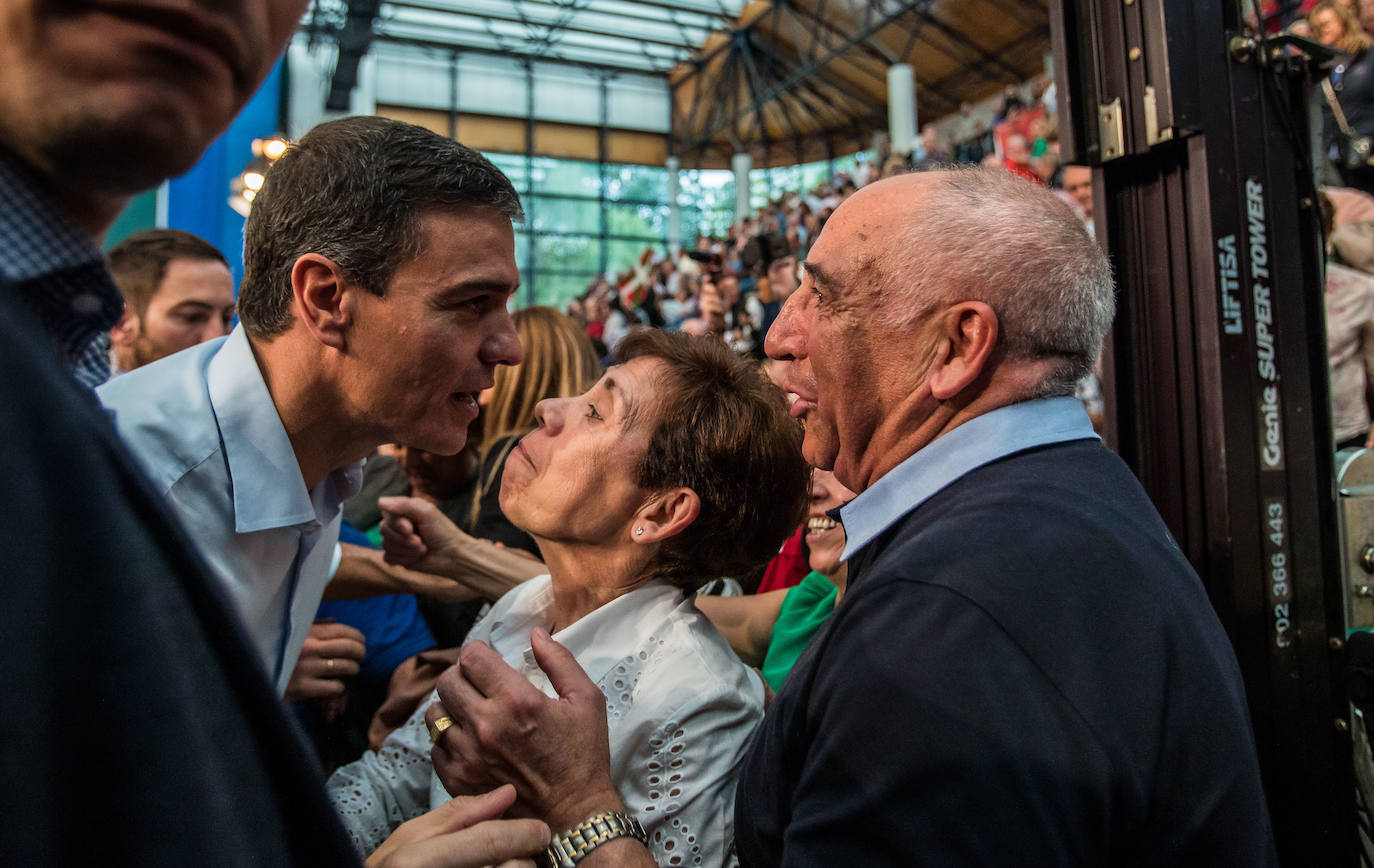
(680, 465)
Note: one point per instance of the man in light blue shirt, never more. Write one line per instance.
(379, 260)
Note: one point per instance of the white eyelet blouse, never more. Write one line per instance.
(680, 706)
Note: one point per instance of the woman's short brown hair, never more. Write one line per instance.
(722, 430)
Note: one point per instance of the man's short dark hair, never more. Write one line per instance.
(139, 262)
(354, 190)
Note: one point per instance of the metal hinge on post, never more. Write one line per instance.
(1153, 134)
(1109, 130)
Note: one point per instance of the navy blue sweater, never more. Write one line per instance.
(1025, 670)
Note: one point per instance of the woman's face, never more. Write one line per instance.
(570, 480)
(825, 536)
(1328, 27)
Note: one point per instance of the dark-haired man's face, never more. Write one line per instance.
(194, 303)
(420, 355)
(112, 97)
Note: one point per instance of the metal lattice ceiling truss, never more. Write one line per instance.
(789, 80)
(801, 80)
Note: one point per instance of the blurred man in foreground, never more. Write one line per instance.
(127, 673)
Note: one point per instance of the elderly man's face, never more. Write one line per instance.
(846, 371)
(112, 97)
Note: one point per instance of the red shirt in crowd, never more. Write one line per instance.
(1024, 171)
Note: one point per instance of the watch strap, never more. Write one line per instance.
(571, 847)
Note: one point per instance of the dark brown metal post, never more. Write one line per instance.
(1218, 387)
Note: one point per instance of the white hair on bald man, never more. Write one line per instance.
(986, 235)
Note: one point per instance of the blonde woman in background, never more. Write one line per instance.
(1348, 93)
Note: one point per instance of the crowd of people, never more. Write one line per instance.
(238, 523)
(734, 285)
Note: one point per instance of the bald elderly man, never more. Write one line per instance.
(1024, 669)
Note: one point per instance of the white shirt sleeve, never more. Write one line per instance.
(384, 788)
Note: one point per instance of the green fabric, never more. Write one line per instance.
(803, 611)
(1039, 149)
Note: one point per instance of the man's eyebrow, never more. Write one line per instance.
(818, 274)
(197, 303)
(475, 287)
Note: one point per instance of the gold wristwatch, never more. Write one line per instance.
(571, 847)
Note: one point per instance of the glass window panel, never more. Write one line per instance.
(708, 221)
(758, 188)
(564, 215)
(813, 175)
(556, 290)
(522, 248)
(579, 253)
(641, 183)
(784, 179)
(710, 195)
(642, 220)
(850, 163)
(691, 225)
(623, 255)
(565, 176)
(513, 165)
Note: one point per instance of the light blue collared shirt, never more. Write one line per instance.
(205, 429)
(979, 441)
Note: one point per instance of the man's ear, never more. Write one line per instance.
(968, 335)
(125, 332)
(319, 291)
(665, 515)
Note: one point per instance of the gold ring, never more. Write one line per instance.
(437, 728)
(329, 663)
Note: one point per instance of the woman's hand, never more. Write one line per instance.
(464, 833)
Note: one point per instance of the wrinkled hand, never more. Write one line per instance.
(331, 653)
(464, 833)
(416, 535)
(555, 751)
